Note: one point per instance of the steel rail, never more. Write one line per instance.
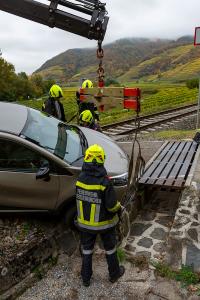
(159, 119)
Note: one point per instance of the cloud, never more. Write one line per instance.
(28, 45)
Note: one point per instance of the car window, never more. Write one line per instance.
(56, 137)
(16, 157)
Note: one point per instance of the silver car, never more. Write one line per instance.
(41, 157)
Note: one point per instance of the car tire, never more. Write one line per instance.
(69, 216)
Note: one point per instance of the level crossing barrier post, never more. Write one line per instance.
(198, 107)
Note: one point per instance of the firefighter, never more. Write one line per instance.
(87, 105)
(87, 84)
(97, 213)
(52, 105)
(86, 119)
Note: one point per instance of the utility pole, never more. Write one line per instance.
(197, 43)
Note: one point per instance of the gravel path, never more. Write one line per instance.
(63, 283)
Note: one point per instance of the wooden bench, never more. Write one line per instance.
(171, 165)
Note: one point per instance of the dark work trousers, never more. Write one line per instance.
(108, 238)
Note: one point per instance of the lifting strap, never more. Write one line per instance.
(134, 174)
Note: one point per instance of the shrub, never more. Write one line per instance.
(111, 81)
(192, 83)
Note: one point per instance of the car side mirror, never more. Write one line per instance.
(43, 173)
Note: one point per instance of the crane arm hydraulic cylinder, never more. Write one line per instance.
(50, 15)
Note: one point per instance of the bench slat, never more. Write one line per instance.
(155, 163)
(185, 168)
(171, 180)
(174, 165)
(171, 166)
(162, 160)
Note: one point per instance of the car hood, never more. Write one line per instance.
(116, 162)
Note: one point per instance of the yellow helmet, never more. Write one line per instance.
(86, 117)
(87, 84)
(95, 153)
(55, 91)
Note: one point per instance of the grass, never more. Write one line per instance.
(186, 276)
(171, 134)
(24, 231)
(39, 272)
(121, 255)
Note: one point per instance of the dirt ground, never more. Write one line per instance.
(63, 282)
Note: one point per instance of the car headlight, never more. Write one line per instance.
(120, 180)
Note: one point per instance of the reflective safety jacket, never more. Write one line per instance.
(88, 106)
(54, 108)
(96, 199)
(94, 126)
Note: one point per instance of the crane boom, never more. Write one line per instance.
(49, 14)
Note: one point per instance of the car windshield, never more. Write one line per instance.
(62, 140)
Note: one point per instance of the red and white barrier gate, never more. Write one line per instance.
(107, 98)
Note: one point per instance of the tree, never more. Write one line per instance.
(111, 81)
(23, 75)
(47, 85)
(15, 87)
(7, 77)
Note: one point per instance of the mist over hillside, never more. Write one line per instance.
(128, 59)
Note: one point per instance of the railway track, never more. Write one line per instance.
(150, 122)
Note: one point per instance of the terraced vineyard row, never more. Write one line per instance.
(155, 98)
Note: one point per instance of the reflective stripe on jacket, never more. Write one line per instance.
(95, 199)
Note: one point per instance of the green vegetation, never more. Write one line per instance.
(24, 231)
(111, 82)
(192, 83)
(172, 134)
(52, 261)
(39, 272)
(121, 255)
(185, 275)
(167, 98)
(155, 98)
(16, 87)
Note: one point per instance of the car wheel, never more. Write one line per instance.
(69, 217)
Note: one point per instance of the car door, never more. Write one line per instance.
(19, 187)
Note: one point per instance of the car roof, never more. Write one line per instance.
(12, 117)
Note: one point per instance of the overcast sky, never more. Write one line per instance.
(28, 45)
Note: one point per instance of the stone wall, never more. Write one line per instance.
(36, 258)
(184, 237)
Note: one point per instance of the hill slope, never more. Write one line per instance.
(128, 60)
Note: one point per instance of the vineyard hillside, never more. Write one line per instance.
(128, 60)
(176, 64)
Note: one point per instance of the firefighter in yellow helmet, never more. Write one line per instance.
(87, 84)
(87, 105)
(86, 119)
(97, 213)
(52, 105)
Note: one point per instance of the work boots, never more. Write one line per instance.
(86, 283)
(117, 276)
